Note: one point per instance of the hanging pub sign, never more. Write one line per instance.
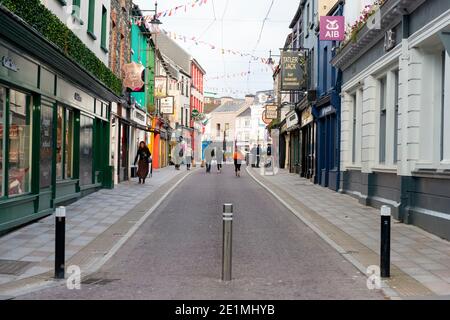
(307, 117)
(133, 77)
(291, 71)
(167, 105)
(271, 111)
(160, 87)
(332, 28)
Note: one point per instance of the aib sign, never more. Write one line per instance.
(332, 28)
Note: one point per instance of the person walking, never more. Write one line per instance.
(219, 159)
(188, 157)
(143, 155)
(253, 156)
(209, 155)
(237, 157)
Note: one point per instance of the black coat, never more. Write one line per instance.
(144, 154)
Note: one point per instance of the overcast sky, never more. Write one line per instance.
(240, 21)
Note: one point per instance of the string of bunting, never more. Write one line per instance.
(235, 75)
(171, 12)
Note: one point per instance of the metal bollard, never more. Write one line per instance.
(60, 239)
(385, 252)
(227, 241)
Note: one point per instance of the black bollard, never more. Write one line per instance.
(385, 252)
(227, 241)
(60, 239)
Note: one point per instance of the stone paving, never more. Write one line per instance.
(419, 254)
(86, 219)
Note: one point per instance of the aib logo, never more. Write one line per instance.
(332, 28)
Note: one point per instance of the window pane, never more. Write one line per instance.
(68, 147)
(104, 18)
(86, 139)
(2, 126)
(19, 144)
(59, 143)
(91, 16)
(45, 163)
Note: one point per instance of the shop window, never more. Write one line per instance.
(59, 143)
(86, 150)
(45, 161)
(64, 144)
(19, 152)
(2, 140)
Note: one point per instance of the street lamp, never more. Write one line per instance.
(155, 20)
(270, 60)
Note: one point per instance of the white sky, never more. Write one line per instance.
(241, 25)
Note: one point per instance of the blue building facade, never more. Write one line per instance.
(327, 113)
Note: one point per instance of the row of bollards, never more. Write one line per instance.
(385, 248)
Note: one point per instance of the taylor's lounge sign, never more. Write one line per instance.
(291, 71)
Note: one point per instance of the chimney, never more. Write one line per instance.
(249, 99)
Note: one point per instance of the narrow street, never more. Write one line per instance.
(176, 253)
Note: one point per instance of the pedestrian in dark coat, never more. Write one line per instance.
(144, 156)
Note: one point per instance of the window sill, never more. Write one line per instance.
(92, 35)
(62, 2)
(104, 49)
(353, 167)
(385, 169)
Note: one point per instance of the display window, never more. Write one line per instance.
(86, 150)
(19, 151)
(64, 143)
(2, 140)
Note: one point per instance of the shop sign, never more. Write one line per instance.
(307, 117)
(9, 63)
(291, 120)
(160, 87)
(271, 111)
(332, 28)
(291, 71)
(265, 119)
(327, 110)
(167, 105)
(139, 117)
(133, 76)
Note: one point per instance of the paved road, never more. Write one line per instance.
(176, 254)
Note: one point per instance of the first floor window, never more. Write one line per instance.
(19, 152)
(86, 149)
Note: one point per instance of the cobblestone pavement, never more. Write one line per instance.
(176, 253)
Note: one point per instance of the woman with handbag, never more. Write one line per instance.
(144, 156)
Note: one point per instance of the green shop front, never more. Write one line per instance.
(54, 128)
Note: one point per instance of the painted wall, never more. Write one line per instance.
(63, 12)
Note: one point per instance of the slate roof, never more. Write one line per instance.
(231, 106)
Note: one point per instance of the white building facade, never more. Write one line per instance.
(395, 131)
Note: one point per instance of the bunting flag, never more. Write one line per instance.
(184, 7)
(237, 75)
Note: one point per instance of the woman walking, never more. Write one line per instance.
(237, 157)
(219, 159)
(143, 155)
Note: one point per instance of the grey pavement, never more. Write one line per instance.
(176, 252)
(86, 219)
(421, 255)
